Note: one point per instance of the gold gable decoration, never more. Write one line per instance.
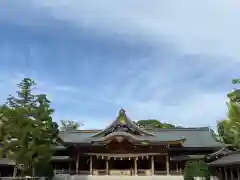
(122, 120)
(122, 117)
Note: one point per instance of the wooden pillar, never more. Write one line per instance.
(225, 173)
(152, 164)
(231, 173)
(107, 166)
(238, 173)
(77, 163)
(91, 166)
(220, 173)
(135, 166)
(167, 165)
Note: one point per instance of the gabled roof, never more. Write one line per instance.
(120, 120)
(193, 137)
(123, 126)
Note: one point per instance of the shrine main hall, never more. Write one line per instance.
(123, 148)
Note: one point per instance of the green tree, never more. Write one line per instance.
(68, 125)
(224, 133)
(153, 123)
(27, 130)
(236, 81)
(229, 129)
(234, 96)
(234, 122)
(196, 168)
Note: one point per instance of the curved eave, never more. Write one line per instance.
(137, 139)
(115, 134)
(134, 141)
(232, 158)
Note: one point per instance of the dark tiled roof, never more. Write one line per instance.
(187, 157)
(218, 154)
(232, 158)
(194, 137)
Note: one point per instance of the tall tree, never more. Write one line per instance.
(234, 118)
(27, 130)
(68, 125)
(229, 129)
(234, 96)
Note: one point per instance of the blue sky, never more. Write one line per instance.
(170, 60)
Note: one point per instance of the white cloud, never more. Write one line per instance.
(200, 108)
(55, 92)
(208, 27)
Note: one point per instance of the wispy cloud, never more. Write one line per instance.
(172, 60)
(199, 27)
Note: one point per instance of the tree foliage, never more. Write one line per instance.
(153, 123)
(224, 132)
(27, 132)
(234, 123)
(236, 81)
(229, 129)
(196, 168)
(68, 125)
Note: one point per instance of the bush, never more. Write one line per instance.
(196, 168)
(45, 170)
